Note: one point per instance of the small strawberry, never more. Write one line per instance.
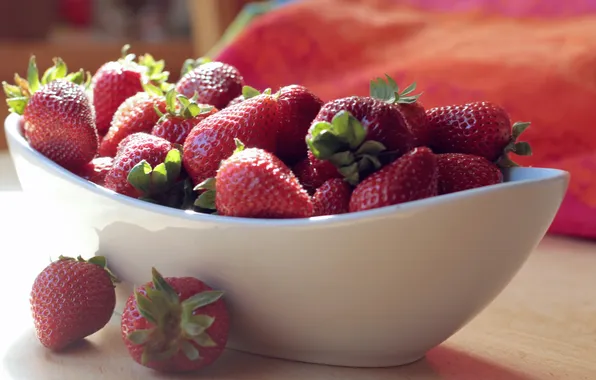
(458, 171)
(253, 183)
(116, 81)
(96, 170)
(312, 172)
(254, 121)
(175, 324)
(480, 128)
(213, 83)
(59, 121)
(137, 114)
(412, 176)
(387, 90)
(182, 114)
(332, 198)
(72, 299)
(145, 167)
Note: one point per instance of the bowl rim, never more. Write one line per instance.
(17, 141)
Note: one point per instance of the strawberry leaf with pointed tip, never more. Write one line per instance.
(520, 148)
(388, 91)
(249, 92)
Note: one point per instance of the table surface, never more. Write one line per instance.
(542, 327)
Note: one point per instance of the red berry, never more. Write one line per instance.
(96, 170)
(458, 172)
(332, 198)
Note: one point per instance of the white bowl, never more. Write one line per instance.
(368, 289)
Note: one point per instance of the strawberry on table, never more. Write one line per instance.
(479, 128)
(59, 121)
(96, 170)
(71, 299)
(411, 177)
(332, 198)
(181, 115)
(175, 324)
(459, 171)
(116, 81)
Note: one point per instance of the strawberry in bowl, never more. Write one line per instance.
(379, 199)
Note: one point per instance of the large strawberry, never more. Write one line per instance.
(358, 135)
(214, 83)
(253, 183)
(175, 324)
(72, 299)
(332, 198)
(96, 170)
(255, 122)
(116, 81)
(136, 114)
(59, 121)
(459, 171)
(181, 115)
(480, 128)
(387, 90)
(411, 177)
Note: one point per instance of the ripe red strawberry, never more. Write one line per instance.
(312, 172)
(182, 114)
(175, 324)
(137, 114)
(59, 121)
(254, 121)
(146, 166)
(480, 128)
(458, 171)
(410, 107)
(253, 183)
(72, 299)
(412, 176)
(96, 170)
(116, 81)
(332, 198)
(214, 83)
(237, 100)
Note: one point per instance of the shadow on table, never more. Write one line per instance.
(103, 356)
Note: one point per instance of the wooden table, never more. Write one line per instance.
(542, 327)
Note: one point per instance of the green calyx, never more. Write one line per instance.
(177, 325)
(191, 64)
(178, 105)
(250, 92)
(520, 148)
(100, 261)
(388, 91)
(343, 143)
(154, 78)
(152, 182)
(18, 94)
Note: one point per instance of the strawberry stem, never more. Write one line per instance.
(520, 148)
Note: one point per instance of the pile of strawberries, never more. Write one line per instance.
(212, 144)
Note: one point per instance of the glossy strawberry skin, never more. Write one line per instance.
(96, 170)
(479, 128)
(136, 114)
(254, 121)
(332, 198)
(112, 84)
(175, 129)
(417, 121)
(254, 183)
(59, 122)
(458, 172)
(411, 177)
(140, 146)
(215, 83)
(185, 287)
(71, 300)
(237, 100)
(298, 107)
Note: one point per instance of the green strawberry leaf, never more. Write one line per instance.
(173, 164)
(208, 184)
(140, 177)
(388, 91)
(206, 200)
(191, 64)
(33, 75)
(249, 92)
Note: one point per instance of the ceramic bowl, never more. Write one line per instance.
(368, 289)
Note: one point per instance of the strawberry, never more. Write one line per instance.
(59, 121)
(412, 176)
(182, 114)
(96, 170)
(116, 81)
(137, 114)
(214, 83)
(312, 172)
(409, 105)
(236, 100)
(254, 121)
(458, 171)
(332, 198)
(358, 135)
(175, 324)
(145, 167)
(72, 299)
(253, 183)
(480, 128)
